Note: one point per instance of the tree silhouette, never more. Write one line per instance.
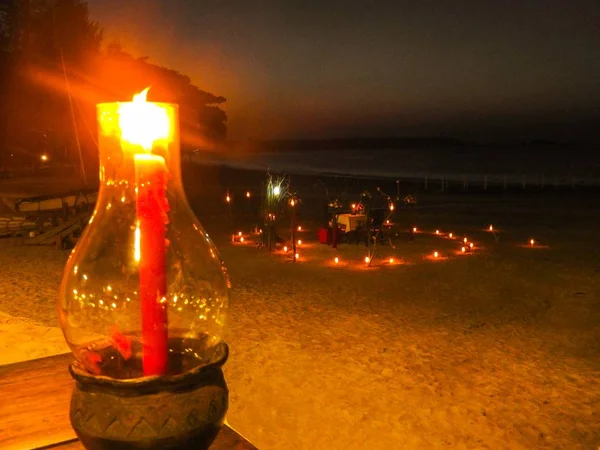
(41, 41)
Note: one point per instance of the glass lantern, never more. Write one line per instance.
(144, 292)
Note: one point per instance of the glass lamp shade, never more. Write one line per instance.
(144, 291)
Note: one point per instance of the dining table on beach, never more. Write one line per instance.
(34, 408)
(349, 222)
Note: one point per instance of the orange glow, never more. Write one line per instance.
(299, 241)
(465, 240)
(228, 198)
(299, 227)
(353, 205)
(247, 194)
(463, 249)
(491, 228)
(391, 260)
(297, 255)
(436, 254)
(293, 202)
(44, 158)
(532, 242)
(285, 249)
(144, 123)
(242, 240)
(387, 221)
(450, 235)
(437, 231)
(336, 260)
(367, 259)
(391, 206)
(239, 233)
(136, 243)
(414, 229)
(471, 245)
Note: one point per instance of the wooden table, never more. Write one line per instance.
(34, 408)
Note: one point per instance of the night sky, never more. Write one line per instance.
(476, 69)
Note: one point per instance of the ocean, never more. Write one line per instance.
(508, 165)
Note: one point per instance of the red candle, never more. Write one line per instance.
(152, 206)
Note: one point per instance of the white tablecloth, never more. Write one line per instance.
(351, 221)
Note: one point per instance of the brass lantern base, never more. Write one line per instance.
(182, 411)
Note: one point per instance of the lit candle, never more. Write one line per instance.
(491, 228)
(437, 231)
(450, 235)
(151, 205)
(463, 249)
(144, 125)
(532, 242)
(299, 241)
(391, 260)
(367, 259)
(336, 260)
(414, 229)
(435, 254)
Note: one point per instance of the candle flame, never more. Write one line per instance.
(336, 260)
(143, 123)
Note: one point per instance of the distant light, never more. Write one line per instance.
(276, 191)
(470, 245)
(285, 248)
(414, 229)
(491, 228)
(292, 203)
(228, 198)
(242, 240)
(450, 235)
(463, 249)
(44, 157)
(240, 233)
(367, 259)
(391, 260)
(387, 221)
(391, 206)
(299, 241)
(532, 242)
(336, 260)
(353, 204)
(437, 231)
(299, 227)
(297, 256)
(436, 254)
(465, 240)
(247, 194)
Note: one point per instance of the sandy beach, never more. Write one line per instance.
(495, 349)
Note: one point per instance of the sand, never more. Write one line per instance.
(499, 349)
